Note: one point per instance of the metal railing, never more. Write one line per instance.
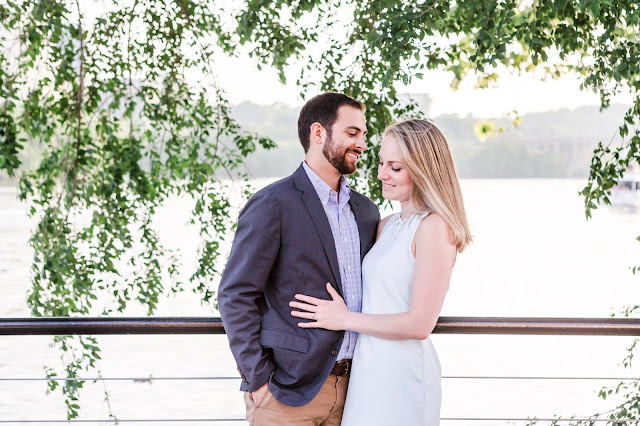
(213, 325)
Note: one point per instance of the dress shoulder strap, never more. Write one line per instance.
(419, 218)
(415, 222)
(394, 218)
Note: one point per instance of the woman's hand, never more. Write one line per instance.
(329, 314)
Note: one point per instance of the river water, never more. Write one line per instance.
(534, 254)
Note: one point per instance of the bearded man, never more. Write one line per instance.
(294, 236)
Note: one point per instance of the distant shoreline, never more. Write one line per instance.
(13, 184)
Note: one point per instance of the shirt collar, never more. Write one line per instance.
(325, 190)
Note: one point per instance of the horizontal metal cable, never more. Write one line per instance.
(151, 379)
(123, 421)
(536, 419)
(213, 325)
(541, 378)
(106, 379)
(474, 419)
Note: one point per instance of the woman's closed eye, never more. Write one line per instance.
(394, 169)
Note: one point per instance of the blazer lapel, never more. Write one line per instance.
(358, 212)
(316, 210)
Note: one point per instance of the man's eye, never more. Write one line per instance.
(352, 134)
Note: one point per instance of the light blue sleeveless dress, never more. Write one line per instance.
(393, 382)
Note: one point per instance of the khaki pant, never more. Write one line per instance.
(325, 409)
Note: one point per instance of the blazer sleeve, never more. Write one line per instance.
(243, 283)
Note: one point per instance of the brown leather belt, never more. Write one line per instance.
(341, 368)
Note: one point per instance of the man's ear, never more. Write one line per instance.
(316, 133)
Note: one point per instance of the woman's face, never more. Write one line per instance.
(396, 183)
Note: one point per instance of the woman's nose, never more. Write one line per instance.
(382, 173)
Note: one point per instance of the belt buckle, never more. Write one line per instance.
(347, 366)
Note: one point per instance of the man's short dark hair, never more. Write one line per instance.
(322, 109)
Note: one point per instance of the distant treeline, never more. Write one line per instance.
(553, 144)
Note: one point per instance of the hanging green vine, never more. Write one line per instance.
(128, 113)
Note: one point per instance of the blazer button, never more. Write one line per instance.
(334, 352)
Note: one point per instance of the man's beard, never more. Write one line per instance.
(337, 158)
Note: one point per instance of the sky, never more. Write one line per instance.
(242, 81)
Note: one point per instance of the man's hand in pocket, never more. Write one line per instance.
(259, 394)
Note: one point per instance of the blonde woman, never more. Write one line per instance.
(395, 377)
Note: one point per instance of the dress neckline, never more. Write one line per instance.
(400, 222)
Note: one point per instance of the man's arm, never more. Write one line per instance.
(254, 251)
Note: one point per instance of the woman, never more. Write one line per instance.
(395, 377)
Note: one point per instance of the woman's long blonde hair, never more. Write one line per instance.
(436, 187)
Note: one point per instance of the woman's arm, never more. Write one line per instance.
(434, 255)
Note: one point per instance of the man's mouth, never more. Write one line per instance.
(354, 155)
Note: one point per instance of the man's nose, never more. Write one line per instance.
(361, 143)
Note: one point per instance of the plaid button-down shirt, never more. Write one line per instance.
(347, 240)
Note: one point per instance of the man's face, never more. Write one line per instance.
(345, 143)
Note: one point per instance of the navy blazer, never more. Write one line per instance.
(283, 246)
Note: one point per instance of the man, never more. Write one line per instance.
(293, 237)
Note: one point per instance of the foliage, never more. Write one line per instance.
(395, 41)
(384, 42)
(124, 127)
(485, 129)
(129, 113)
